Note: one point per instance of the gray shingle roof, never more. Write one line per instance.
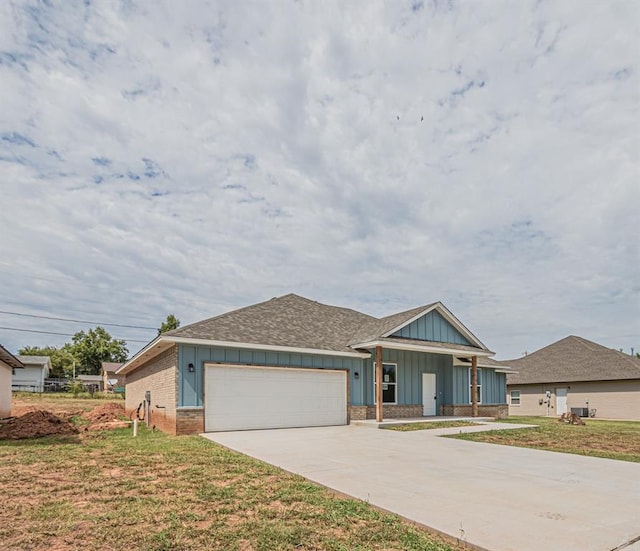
(34, 360)
(290, 320)
(573, 359)
(111, 367)
(295, 321)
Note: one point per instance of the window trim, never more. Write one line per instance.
(479, 386)
(511, 398)
(395, 402)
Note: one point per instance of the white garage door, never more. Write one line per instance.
(244, 398)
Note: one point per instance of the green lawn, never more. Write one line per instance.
(428, 425)
(609, 439)
(108, 490)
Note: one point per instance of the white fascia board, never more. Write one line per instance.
(459, 325)
(126, 366)
(423, 348)
(267, 347)
(447, 315)
(505, 370)
(160, 345)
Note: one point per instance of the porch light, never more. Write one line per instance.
(356, 375)
(191, 368)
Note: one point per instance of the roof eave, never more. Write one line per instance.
(422, 348)
(163, 342)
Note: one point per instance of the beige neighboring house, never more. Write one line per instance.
(575, 375)
(31, 378)
(110, 381)
(8, 364)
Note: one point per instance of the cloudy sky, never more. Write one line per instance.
(194, 157)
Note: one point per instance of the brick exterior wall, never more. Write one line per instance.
(190, 420)
(359, 413)
(499, 411)
(160, 376)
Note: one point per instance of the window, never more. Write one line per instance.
(388, 383)
(479, 386)
(515, 397)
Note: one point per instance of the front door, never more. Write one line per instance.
(561, 401)
(428, 394)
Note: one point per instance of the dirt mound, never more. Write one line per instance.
(105, 413)
(35, 424)
(107, 416)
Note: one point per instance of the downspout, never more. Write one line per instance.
(474, 386)
(379, 384)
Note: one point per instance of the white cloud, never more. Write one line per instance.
(198, 157)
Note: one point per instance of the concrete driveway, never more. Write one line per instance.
(495, 497)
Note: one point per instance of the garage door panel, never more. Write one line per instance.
(243, 398)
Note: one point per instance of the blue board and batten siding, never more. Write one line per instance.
(411, 366)
(432, 327)
(493, 386)
(452, 383)
(190, 384)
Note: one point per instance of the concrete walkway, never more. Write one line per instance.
(495, 497)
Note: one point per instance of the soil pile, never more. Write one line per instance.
(35, 424)
(106, 417)
(110, 411)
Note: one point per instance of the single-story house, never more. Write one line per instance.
(8, 364)
(31, 378)
(293, 362)
(575, 375)
(110, 380)
(92, 383)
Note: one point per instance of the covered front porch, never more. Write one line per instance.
(427, 381)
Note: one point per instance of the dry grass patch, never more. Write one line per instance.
(108, 490)
(609, 439)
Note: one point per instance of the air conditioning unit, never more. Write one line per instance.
(582, 412)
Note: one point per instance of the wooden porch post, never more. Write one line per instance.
(474, 386)
(379, 384)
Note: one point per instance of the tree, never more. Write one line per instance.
(92, 348)
(61, 359)
(169, 324)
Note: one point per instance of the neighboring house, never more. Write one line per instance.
(110, 381)
(31, 378)
(93, 383)
(8, 364)
(575, 375)
(292, 362)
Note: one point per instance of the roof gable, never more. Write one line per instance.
(573, 359)
(438, 325)
(432, 326)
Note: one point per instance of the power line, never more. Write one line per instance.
(54, 333)
(77, 321)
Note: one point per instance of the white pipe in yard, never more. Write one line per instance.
(135, 428)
